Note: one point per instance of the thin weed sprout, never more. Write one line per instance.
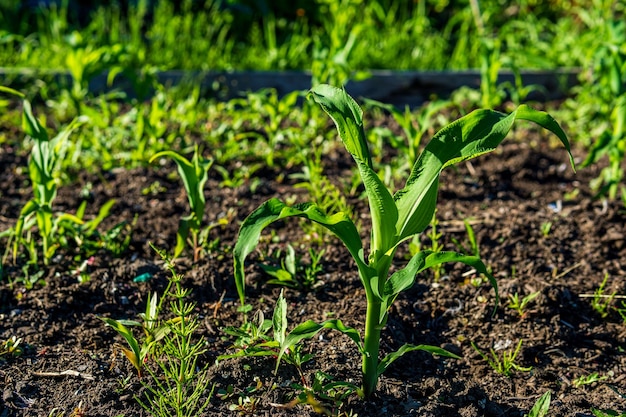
(506, 363)
(395, 219)
(178, 386)
(589, 379)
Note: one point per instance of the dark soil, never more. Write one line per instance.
(507, 196)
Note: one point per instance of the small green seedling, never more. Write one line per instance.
(546, 228)
(589, 379)
(253, 339)
(601, 302)
(520, 305)
(606, 413)
(293, 273)
(395, 219)
(541, 407)
(11, 347)
(139, 349)
(504, 365)
(194, 174)
(472, 248)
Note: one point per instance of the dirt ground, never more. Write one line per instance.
(508, 196)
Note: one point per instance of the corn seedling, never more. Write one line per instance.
(541, 407)
(194, 174)
(43, 164)
(394, 219)
(520, 305)
(504, 365)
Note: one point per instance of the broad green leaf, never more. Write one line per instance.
(405, 277)
(273, 210)
(477, 133)
(348, 118)
(31, 125)
(309, 328)
(546, 121)
(389, 359)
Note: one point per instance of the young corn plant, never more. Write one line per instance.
(194, 174)
(43, 166)
(395, 219)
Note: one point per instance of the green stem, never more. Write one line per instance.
(371, 347)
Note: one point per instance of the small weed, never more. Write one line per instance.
(293, 273)
(601, 302)
(606, 413)
(246, 402)
(504, 365)
(253, 339)
(520, 305)
(472, 247)
(11, 347)
(323, 393)
(179, 386)
(589, 379)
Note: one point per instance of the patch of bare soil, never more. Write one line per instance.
(508, 197)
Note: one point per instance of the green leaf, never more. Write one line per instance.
(541, 407)
(477, 133)
(389, 359)
(194, 175)
(309, 328)
(348, 118)
(405, 277)
(134, 355)
(273, 210)
(279, 319)
(31, 125)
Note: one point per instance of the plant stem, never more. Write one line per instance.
(371, 347)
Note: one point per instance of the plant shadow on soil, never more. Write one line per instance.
(507, 195)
